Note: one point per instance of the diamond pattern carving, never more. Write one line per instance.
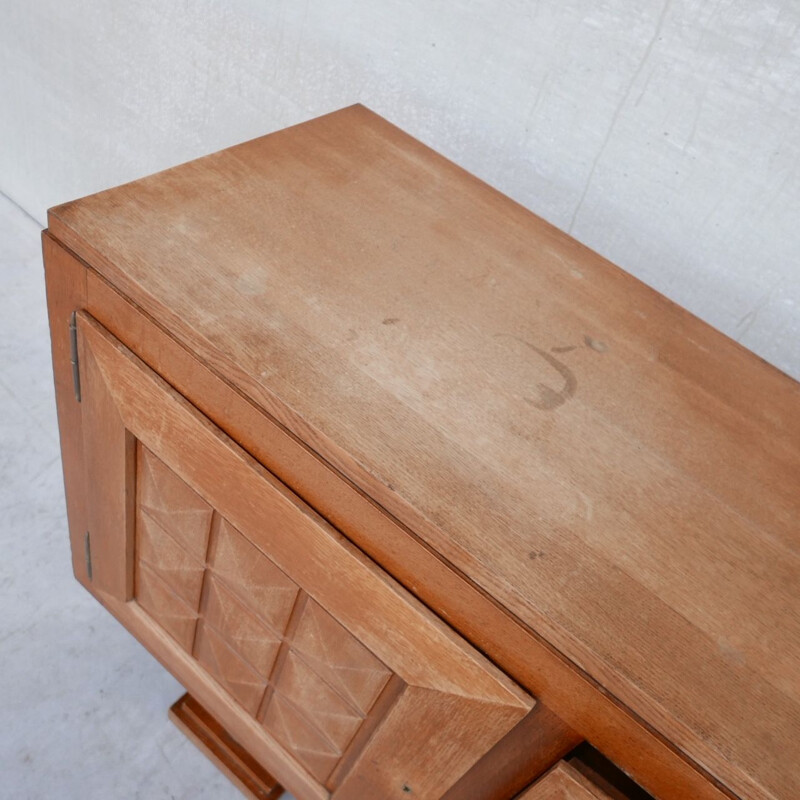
(285, 659)
(302, 739)
(179, 570)
(174, 505)
(232, 671)
(245, 633)
(165, 607)
(339, 658)
(255, 580)
(333, 716)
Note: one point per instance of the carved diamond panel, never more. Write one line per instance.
(301, 738)
(165, 607)
(175, 506)
(284, 659)
(339, 658)
(245, 633)
(333, 716)
(232, 671)
(179, 570)
(255, 580)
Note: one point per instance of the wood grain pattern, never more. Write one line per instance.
(643, 752)
(216, 743)
(492, 361)
(457, 701)
(563, 783)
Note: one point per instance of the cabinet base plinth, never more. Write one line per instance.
(217, 744)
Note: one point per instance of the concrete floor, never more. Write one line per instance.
(83, 706)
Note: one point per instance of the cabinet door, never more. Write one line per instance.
(341, 682)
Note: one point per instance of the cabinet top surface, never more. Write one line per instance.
(616, 473)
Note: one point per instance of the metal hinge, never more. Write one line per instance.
(87, 552)
(73, 355)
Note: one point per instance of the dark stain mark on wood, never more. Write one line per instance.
(391, 320)
(534, 554)
(549, 399)
(566, 349)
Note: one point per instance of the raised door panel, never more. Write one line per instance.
(339, 669)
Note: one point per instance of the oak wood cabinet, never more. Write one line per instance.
(414, 493)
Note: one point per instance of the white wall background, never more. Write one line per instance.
(663, 133)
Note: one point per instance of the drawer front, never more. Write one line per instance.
(358, 686)
(564, 783)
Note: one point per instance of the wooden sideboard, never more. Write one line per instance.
(414, 493)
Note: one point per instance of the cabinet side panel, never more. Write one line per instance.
(65, 279)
